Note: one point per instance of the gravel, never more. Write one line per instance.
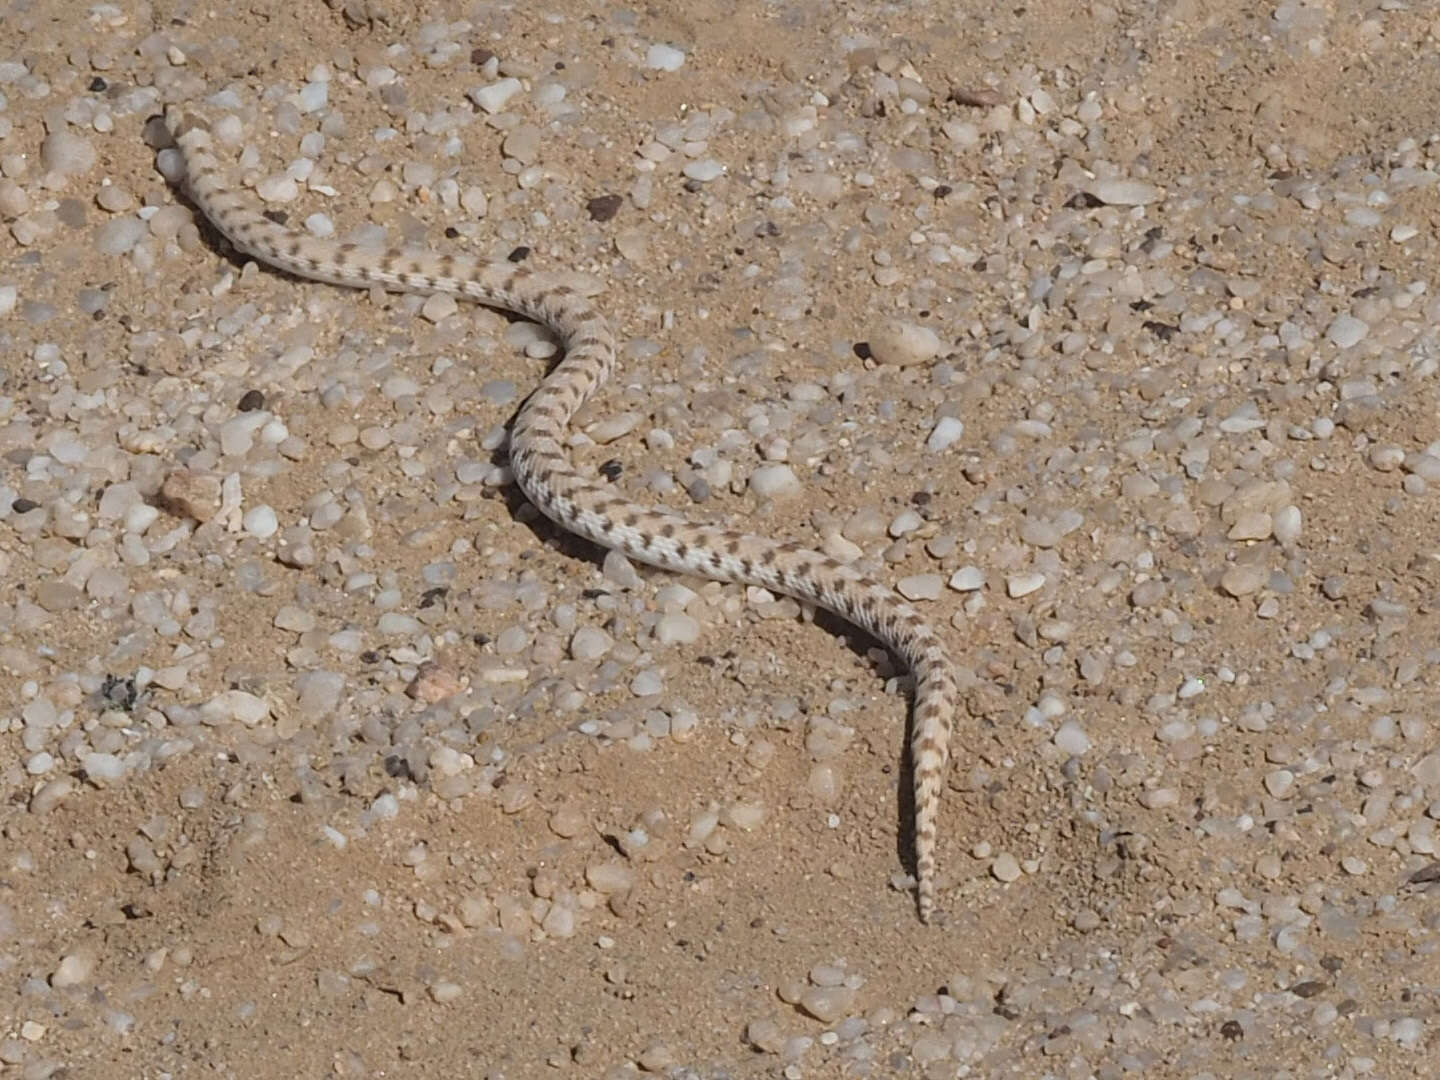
(1148, 433)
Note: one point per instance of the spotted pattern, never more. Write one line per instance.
(544, 472)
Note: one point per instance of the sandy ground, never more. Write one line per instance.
(1190, 823)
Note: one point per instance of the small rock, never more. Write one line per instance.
(1253, 525)
(494, 97)
(967, 579)
(944, 434)
(704, 170)
(66, 153)
(1243, 580)
(120, 235)
(192, 494)
(613, 876)
(901, 344)
(664, 58)
(919, 587)
(523, 144)
(590, 643)
(434, 682)
(1018, 585)
(75, 969)
(1117, 192)
(1278, 782)
(51, 794)
(1005, 868)
(774, 481)
(1345, 331)
(604, 207)
(1071, 739)
(103, 769)
(827, 1003)
(235, 705)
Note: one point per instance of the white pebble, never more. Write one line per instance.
(704, 170)
(827, 1003)
(238, 705)
(901, 344)
(75, 970)
(1115, 192)
(772, 481)
(66, 153)
(677, 628)
(313, 96)
(946, 430)
(1191, 687)
(496, 96)
(277, 189)
(1346, 331)
(120, 235)
(1006, 867)
(613, 876)
(1278, 782)
(664, 58)
(1286, 524)
(1018, 585)
(102, 769)
(967, 579)
(1071, 739)
(260, 522)
(590, 643)
(919, 587)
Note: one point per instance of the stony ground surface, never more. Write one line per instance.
(1108, 332)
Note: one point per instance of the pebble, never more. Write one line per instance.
(76, 969)
(765, 1036)
(610, 877)
(1018, 585)
(1005, 867)
(920, 586)
(967, 579)
(902, 344)
(260, 522)
(1118, 192)
(523, 144)
(664, 58)
(495, 96)
(1243, 579)
(827, 1003)
(1070, 738)
(704, 170)
(677, 628)
(193, 494)
(1286, 524)
(775, 481)
(51, 794)
(278, 189)
(66, 153)
(946, 432)
(1345, 331)
(1278, 782)
(13, 200)
(102, 770)
(120, 235)
(590, 643)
